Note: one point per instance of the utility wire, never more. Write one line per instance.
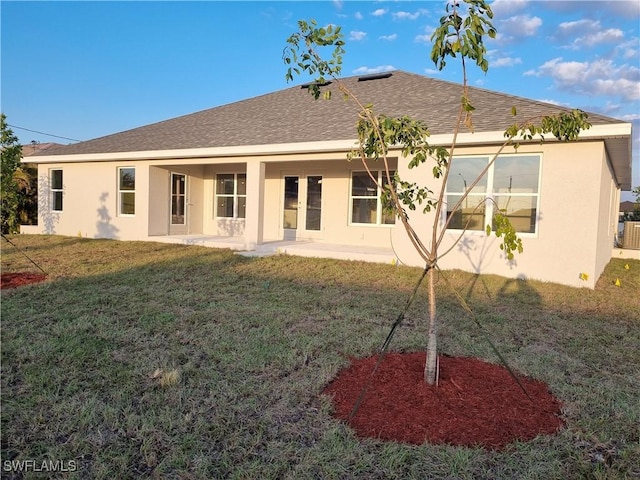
(42, 133)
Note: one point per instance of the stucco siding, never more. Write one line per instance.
(90, 203)
(335, 215)
(159, 199)
(565, 243)
(575, 189)
(609, 205)
(212, 225)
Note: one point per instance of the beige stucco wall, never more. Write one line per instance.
(225, 227)
(159, 178)
(575, 187)
(336, 185)
(608, 215)
(336, 174)
(90, 202)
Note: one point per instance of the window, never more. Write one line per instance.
(512, 182)
(127, 191)
(366, 199)
(231, 195)
(56, 190)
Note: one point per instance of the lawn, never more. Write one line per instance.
(165, 361)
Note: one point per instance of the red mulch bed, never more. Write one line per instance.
(12, 280)
(475, 403)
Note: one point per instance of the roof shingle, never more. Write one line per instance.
(292, 115)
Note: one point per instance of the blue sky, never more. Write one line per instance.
(85, 69)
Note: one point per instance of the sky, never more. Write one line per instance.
(79, 70)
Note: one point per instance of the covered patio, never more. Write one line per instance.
(302, 248)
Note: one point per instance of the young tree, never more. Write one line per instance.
(460, 35)
(15, 182)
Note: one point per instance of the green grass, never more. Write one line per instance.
(254, 342)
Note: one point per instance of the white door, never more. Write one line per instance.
(178, 208)
(302, 206)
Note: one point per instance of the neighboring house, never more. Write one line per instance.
(274, 167)
(36, 148)
(629, 209)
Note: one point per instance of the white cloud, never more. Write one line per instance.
(426, 36)
(505, 62)
(520, 26)
(370, 70)
(600, 77)
(552, 102)
(611, 109)
(338, 4)
(628, 50)
(389, 38)
(568, 29)
(604, 36)
(587, 33)
(357, 35)
(406, 15)
(379, 12)
(358, 16)
(502, 8)
(498, 61)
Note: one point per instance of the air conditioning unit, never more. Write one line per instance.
(631, 237)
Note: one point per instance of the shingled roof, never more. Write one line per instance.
(292, 115)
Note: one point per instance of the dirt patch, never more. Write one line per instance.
(475, 404)
(13, 280)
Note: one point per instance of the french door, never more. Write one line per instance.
(178, 223)
(302, 206)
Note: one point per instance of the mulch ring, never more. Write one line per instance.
(475, 403)
(13, 280)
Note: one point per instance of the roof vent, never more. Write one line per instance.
(320, 84)
(375, 76)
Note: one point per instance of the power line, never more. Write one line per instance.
(42, 133)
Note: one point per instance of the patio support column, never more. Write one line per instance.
(254, 225)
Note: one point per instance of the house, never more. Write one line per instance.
(36, 148)
(629, 209)
(273, 169)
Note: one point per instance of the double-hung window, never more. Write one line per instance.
(56, 188)
(126, 191)
(231, 195)
(511, 186)
(366, 199)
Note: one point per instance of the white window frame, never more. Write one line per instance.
(381, 178)
(490, 194)
(122, 191)
(54, 192)
(235, 196)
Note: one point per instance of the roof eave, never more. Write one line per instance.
(621, 162)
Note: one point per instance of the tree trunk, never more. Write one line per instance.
(431, 365)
